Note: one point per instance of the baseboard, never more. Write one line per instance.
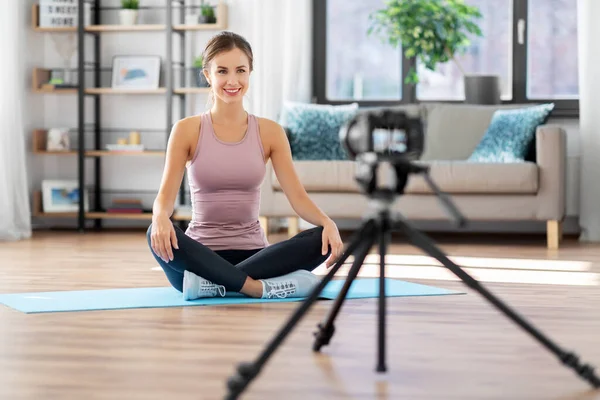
(570, 226)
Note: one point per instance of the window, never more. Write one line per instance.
(489, 54)
(552, 50)
(530, 44)
(359, 67)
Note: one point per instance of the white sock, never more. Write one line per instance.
(195, 287)
(299, 283)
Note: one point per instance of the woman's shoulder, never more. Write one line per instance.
(185, 133)
(188, 124)
(268, 126)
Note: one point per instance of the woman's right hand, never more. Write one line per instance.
(163, 238)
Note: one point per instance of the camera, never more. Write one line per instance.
(383, 140)
(392, 135)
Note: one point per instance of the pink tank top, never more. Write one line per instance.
(225, 180)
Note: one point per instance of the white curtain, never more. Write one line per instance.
(15, 220)
(589, 117)
(281, 39)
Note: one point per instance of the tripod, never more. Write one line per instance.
(377, 229)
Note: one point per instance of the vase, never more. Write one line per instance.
(128, 17)
(203, 19)
(482, 89)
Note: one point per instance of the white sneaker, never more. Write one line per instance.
(299, 283)
(195, 287)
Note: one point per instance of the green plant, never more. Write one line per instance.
(432, 31)
(130, 4)
(198, 62)
(207, 10)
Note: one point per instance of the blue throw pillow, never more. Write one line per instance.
(314, 129)
(510, 134)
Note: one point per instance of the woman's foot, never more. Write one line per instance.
(195, 287)
(299, 283)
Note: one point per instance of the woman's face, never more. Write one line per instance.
(229, 75)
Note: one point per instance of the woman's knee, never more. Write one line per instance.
(315, 235)
(179, 233)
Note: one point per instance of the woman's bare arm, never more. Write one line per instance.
(178, 150)
(283, 165)
(281, 158)
(163, 237)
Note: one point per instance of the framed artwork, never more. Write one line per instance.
(62, 13)
(136, 72)
(62, 196)
(58, 140)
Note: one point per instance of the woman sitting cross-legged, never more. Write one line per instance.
(225, 151)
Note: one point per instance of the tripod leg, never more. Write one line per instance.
(326, 329)
(384, 239)
(420, 240)
(246, 372)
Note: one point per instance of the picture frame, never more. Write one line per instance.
(62, 13)
(58, 139)
(62, 196)
(136, 72)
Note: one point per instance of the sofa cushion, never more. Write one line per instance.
(313, 129)
(453, 131)
(454, 177)
(510, 133)
(324, 176)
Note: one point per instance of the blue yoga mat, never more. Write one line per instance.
(153, 297)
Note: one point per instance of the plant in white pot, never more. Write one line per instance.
(128, 14)
(435, 32)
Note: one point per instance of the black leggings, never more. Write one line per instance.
(231, 268)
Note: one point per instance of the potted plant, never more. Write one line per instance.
(198, 74)
(128, 14)
(207, 14)
(434, 32)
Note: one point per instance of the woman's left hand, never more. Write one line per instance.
(331, 237)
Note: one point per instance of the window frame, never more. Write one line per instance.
(566, 108)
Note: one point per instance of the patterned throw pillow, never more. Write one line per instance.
(314, 129)
(510, 134)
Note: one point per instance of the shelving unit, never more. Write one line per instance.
(97, 212)
(123, 91)
(39, 147)
(40, 75)
(191, 90)
(38, 212)
(221, 13)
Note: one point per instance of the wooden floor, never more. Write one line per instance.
(452, 347)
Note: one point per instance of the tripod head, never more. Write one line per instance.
(393, 139)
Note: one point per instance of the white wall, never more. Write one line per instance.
(589, 57)
(34, 104)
